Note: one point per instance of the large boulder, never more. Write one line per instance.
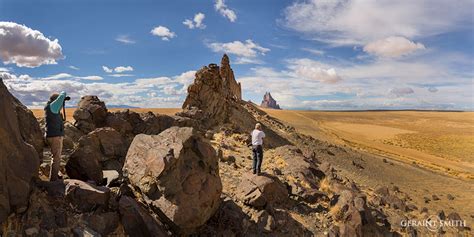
(300, 173)
(137, 221)
(261, 190)
(90, 114)
(95, 148)
(85, 196)
(18, 157)
(180, 175)
(71, 136)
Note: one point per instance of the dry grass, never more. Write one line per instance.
(442, 141)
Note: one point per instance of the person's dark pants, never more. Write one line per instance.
(257, 158)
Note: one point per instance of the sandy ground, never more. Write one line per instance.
(434, 166)
(439, 141)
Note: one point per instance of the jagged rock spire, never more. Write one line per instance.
(269, 102)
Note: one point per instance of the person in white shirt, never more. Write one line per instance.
(257, 149)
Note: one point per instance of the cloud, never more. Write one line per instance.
(125, 39)
(392, 47)
(120, 75)
(314, 51)
(313, 70)
(144, 92)
(69, 76)
(26, 47)
(197, 22)
(58, 76)
(248, 50)
(401, 91)
(118, 69)
(91, 78)
(73, 67)
(107, 70)
(432, 89)
(357, 22)
(163, 32)
(121, 69)
(226, 12)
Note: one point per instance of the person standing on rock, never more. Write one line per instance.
(55, 130)
(257, 148)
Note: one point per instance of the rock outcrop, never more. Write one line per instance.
(269, 102)
(90, 114)
(262, 190)
(214, 99)
(18, 157)
(137, 221)
(178, 173)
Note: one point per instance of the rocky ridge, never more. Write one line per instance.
(142, 174)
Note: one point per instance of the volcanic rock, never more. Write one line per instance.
(259, 190)
(99, 146)
(181, 175)
(90, 114)
(214, 99)
(85, 196)
(269, 102)
(136, 220)
(18, 156)
(300, 173)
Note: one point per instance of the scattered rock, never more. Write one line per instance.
(435, 198)
(84, 196)
(450, 197)
(136, 220)
(104, 223)
(301, 174)
(259, 190)
(426, 199)
(181, 176)
(441, 215)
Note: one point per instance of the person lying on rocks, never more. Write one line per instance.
(257, 149)
(55, 130)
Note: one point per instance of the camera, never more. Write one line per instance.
(67, 98)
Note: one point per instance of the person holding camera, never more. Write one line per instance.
(55, 130)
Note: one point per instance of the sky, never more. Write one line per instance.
(310, 54)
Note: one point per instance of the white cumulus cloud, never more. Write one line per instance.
(247, 51)
(107, 69)
(26, 47)
(226, 12)
(392, 47)
(163, 32)
(121, 69)
(357, 22)
(197, 22)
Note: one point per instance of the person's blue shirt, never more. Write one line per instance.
(56, 105)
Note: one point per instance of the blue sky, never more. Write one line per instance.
(309, 54)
